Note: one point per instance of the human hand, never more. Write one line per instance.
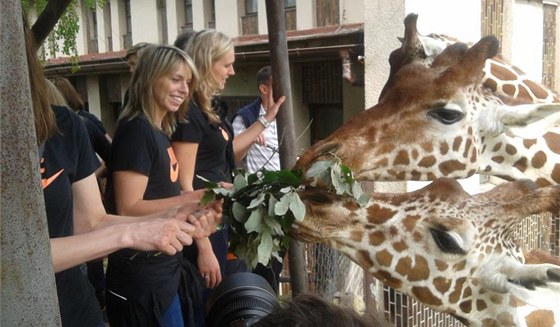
(209, 267)
(206, 219)
(273, 107)
(165, 235)
(260, 140)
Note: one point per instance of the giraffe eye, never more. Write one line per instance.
(446, 241)
(446, 116)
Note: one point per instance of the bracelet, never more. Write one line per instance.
(264, 122)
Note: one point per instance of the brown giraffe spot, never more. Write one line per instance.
(536, 89)
(386, 278)
(528, 143)
(382, 163)
(409, 222)
(351, 205)
(427, 147)
(491, 84)
(459, 266)
(401, 176)
(471, 172)
(424, 295)
(386, 148)
(509, 89)
(403, 266)
(455, 296)
(503, 74)
(384, 258)
(510, 149)
(556, 173)
(416, 175)
(441, 265)
(496, 299)
(539, 159)
(400, 246)
(521, 164)
(506, 319)
(402, 158)
(497, 147)
(363, 258)
(466, 306)
(467, 292)
(541, 318)
(498, 159)
(356, 235)
(431, 176)
(481, 305)
(443, 148)
(414, 154)
(467, 148)
(524, 93)
(489, 322)
(379, 215)
(457, 143)
(417, 237)
(393, 231)
(376, 238)
(543, 182)
(450, 166)
(550, 139)
(427, 162)
(442, 284)
(420, 270)
(474, 155)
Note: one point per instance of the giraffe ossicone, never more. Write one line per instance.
(450, 250)
(436, 118)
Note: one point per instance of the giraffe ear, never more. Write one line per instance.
(529, 120)
(535, 284)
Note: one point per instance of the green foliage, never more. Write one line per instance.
(262, 207)
(63, 37)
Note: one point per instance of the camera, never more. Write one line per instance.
(240, 300)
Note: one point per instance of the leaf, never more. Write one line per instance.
(282, 206)
(208, 196)
(297, 207)
(256, 202)
(318, 168)
(239, 211)
(239, 181)
(265, 248)
(254, 223)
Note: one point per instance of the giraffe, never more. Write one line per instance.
(504, 80)
(449, 250)
(438, 120)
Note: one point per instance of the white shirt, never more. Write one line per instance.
(258, 156)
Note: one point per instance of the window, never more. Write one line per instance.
(188, 13)
(289, 3)
(251, 7)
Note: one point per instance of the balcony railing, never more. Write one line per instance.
(127, 40)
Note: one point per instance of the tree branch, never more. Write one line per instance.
(48, 19)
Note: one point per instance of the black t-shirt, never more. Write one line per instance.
(149, 280)
(139, 147)
(96, 132)
(67, 158)
(214, 158)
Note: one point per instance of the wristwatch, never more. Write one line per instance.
(263, 121)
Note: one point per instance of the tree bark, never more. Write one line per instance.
(48, 19)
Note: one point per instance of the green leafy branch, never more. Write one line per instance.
(262, 207)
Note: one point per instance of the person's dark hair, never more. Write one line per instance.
(308, 310)
(73, 99)
(264, 75)
(184, 39)
(45, 121)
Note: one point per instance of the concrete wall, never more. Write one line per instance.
(144, 21)
(527, 42)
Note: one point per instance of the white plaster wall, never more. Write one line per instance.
(144, 21)
(175, 11)
(94, 98)
(527, 38)
(103, 29)
(198, 15)
(81, 38)
(458, 18)
(351, 11)
(118, 23)
(261, 17)
(305, 14)
(227, 17)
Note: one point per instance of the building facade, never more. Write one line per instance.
(327, 43)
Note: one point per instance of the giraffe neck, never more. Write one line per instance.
(512, 85)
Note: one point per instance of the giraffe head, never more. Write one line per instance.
(438, 120)
(448, 249)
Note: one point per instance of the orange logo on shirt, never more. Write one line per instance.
(173, 165)
(45, 182)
